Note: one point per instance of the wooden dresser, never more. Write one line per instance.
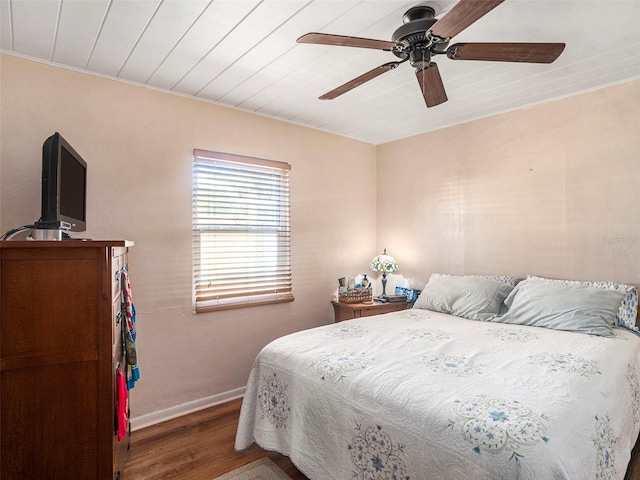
(60, 348)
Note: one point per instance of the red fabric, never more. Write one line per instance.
(122, 399)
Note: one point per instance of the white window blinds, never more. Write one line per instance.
(241, 244)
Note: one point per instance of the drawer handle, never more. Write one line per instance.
(118, 273)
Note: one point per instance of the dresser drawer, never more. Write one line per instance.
(117, 263)
(348, 311)
(117, 319)
(382, 308)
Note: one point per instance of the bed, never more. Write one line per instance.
(423, 394)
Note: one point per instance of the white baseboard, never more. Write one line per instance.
(184, 409)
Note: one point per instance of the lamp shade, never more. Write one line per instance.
(384, 264)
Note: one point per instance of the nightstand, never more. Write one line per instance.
(347, 311)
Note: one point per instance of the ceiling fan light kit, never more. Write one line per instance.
(422, 37)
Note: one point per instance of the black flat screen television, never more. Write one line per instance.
(64, 186)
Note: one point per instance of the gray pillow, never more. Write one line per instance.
(574, 308)
(474, 298)
(627, 313)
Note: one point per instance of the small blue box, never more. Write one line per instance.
(410, 293)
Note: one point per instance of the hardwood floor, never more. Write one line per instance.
(199, 446)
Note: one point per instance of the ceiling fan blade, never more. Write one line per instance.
(356, 82)
(431, 85)
(463, 14)
(506, 52)
(345, 41)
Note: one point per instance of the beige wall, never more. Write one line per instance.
(550, 190)
(138, 145)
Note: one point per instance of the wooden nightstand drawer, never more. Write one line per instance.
(348, 311)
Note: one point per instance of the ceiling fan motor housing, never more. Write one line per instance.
(415, 43)
(416, 22)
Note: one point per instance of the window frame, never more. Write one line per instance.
(241, 223)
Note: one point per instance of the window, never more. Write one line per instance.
(240, 231)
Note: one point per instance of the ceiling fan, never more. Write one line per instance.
(422, 36)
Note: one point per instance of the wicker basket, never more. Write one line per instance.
(355, 295)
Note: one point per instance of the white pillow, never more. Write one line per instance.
(471, 297)
(506, 279)
(570, 307)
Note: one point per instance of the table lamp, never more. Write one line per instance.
(384, 264)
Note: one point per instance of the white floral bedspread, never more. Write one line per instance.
(423, 395)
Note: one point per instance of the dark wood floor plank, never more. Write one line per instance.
(198, 446)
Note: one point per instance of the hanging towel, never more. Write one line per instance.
(128, 302)
(129, 332)
(122, 407)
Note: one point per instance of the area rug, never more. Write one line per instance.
(261, 469)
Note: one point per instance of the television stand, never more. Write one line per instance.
(50, 230)
(47, 233)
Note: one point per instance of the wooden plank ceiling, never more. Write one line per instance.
(243, 54)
